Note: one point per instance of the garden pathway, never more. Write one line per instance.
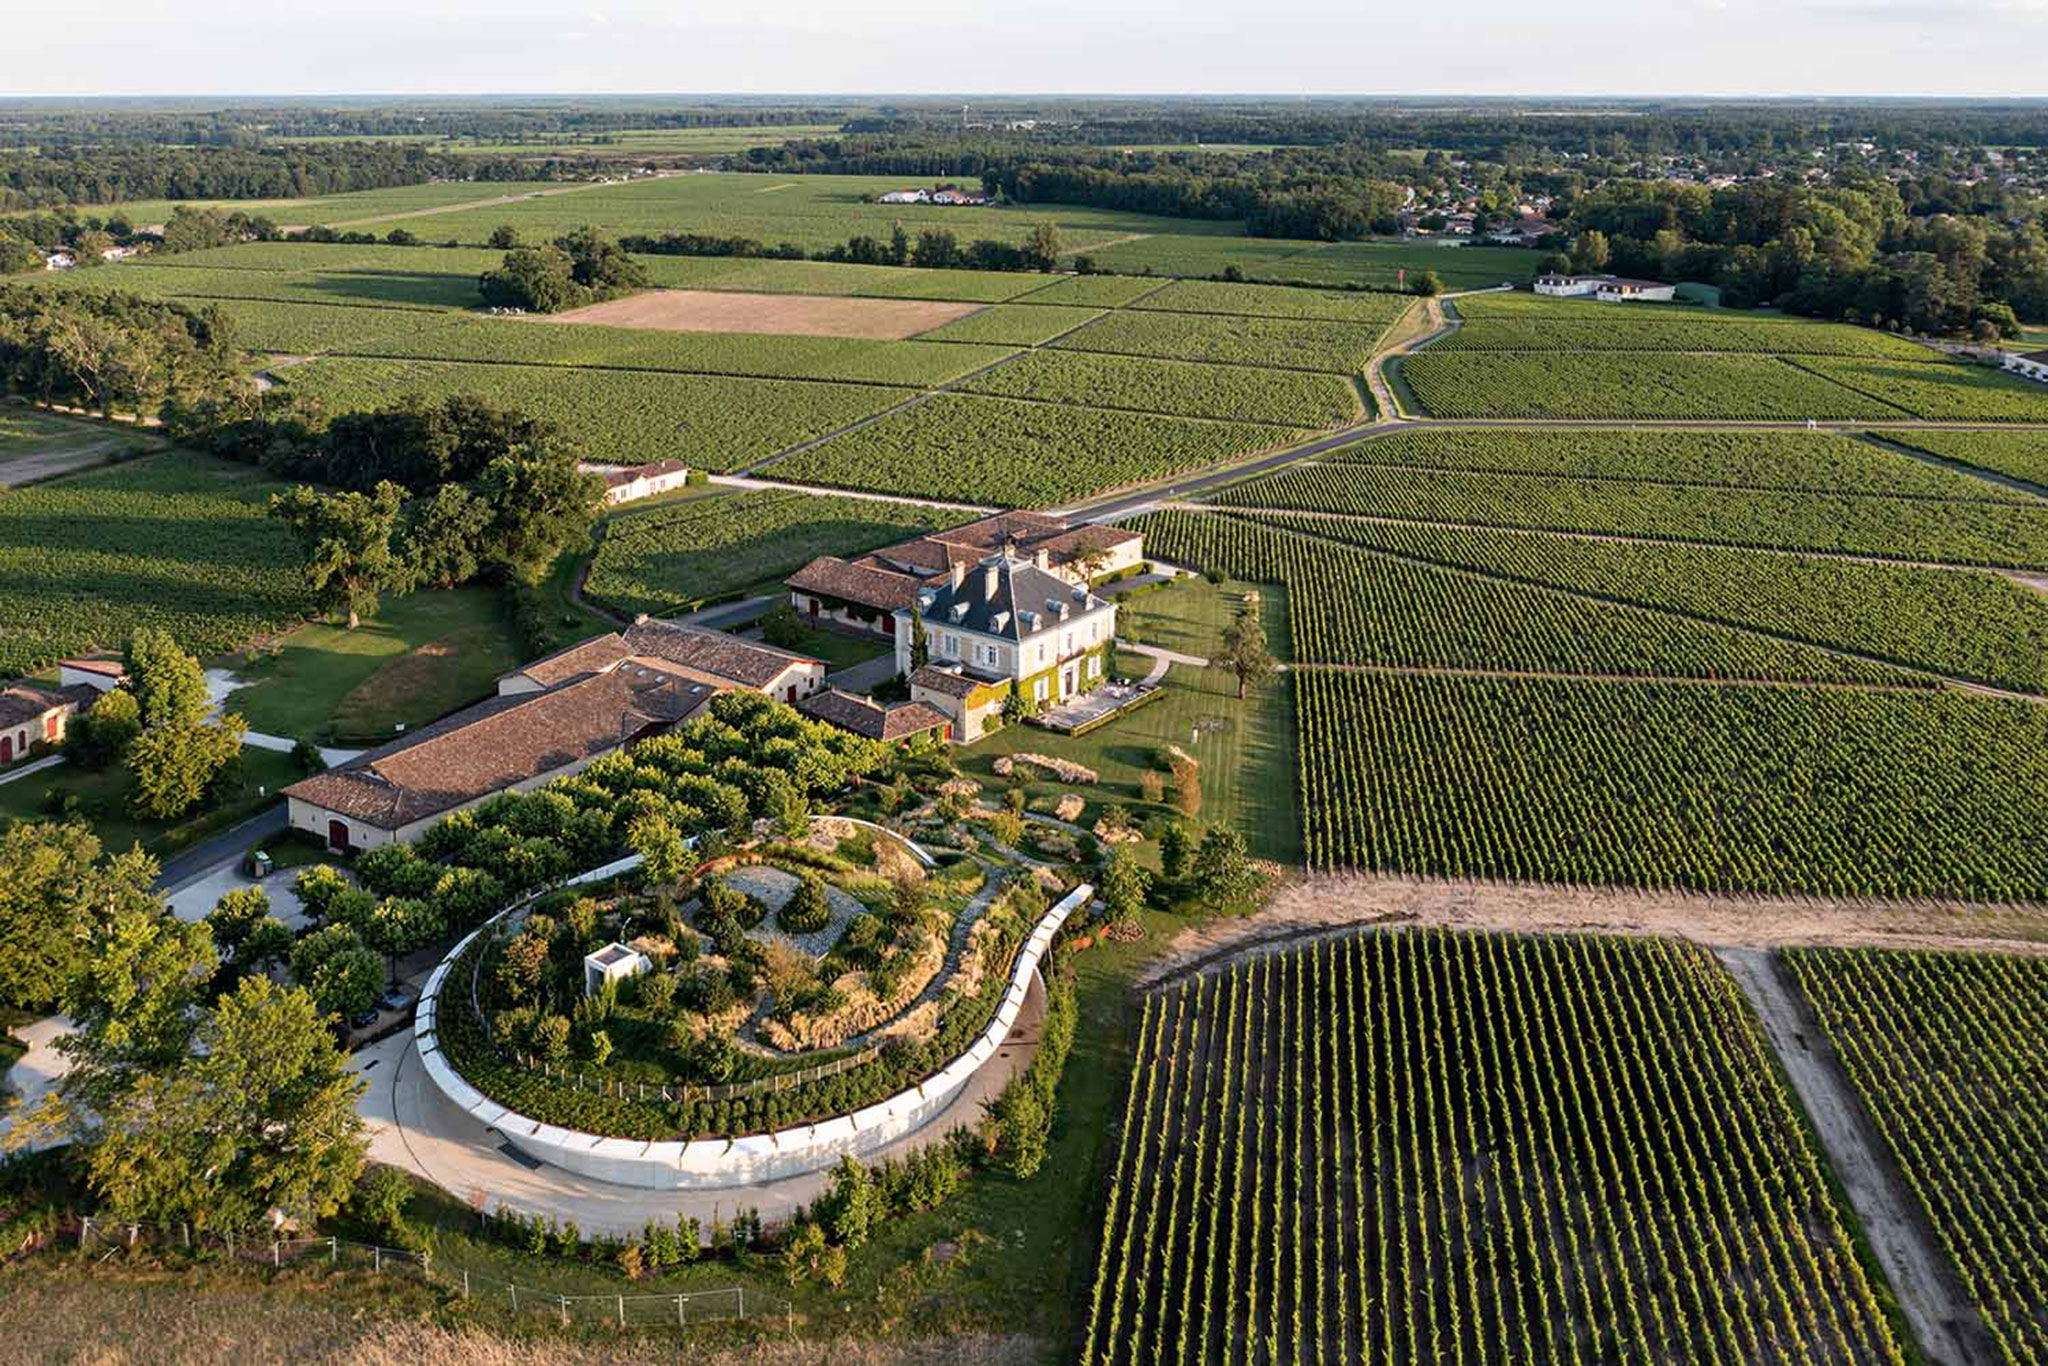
(414, 1127)
(222, 683)
(47, 761)
(1161, 658)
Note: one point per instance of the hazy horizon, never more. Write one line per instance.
(1603, 49)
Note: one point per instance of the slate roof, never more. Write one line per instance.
(1025, 601)
(871, 719)
(867, 585)
(498, 743)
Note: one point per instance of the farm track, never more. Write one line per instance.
(468, 205)
(1322, 904)
(1942, 1319)
(1608, 600)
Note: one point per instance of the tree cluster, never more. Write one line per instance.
(584, 267)
(1848, 252)
(112, 351)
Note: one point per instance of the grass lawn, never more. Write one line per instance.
(102, 802)
(1246, 749)
(420, 657)
(840, 651)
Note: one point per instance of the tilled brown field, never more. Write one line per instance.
(803, 315)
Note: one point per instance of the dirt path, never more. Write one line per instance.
(1939, 1314)
(1323, 904)
(468, 204)
(66, 459)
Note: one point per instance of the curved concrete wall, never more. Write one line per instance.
(717, 1163)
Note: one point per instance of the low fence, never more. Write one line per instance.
(724, 1163)
(677, 1309)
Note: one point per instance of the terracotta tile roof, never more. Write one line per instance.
(831, 577)
(871, 719)
(744, 662)
(585, 657)
(991, 533)
(1069, 543)
(925, 555)
(24, 702)
(112, 668)
(498, 743)
(951, 682)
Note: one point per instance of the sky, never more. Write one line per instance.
(1975, 48)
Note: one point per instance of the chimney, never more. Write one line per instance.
(959, 575)
(1042, 557)
(991, 574)
(639, 618)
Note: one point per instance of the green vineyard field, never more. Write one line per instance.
(1011, 453)
(1278, 343)
(1464, 1148)
(1724, 789)
(1978, 533)
(1635, 384)
(1292, 398)
(2017, 455)
(1817, 462)
(1945, 1051)
(1969, 625)
(1347, 607)
(652, 561)
(174, 540)
(620, 416)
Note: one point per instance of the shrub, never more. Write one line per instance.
(810, 910)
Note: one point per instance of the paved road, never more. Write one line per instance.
(1941, 1319)
(206, 857)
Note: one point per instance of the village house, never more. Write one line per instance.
(1524, 231)
(31, 716)
(866, 593)
(551, 718)
(2028, 364)
(1004, 625)
(630, 483)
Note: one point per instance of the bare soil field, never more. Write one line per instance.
(803, 315)
(1322, 905)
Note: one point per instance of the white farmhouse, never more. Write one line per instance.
(1001, 626)
(1606, 288)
